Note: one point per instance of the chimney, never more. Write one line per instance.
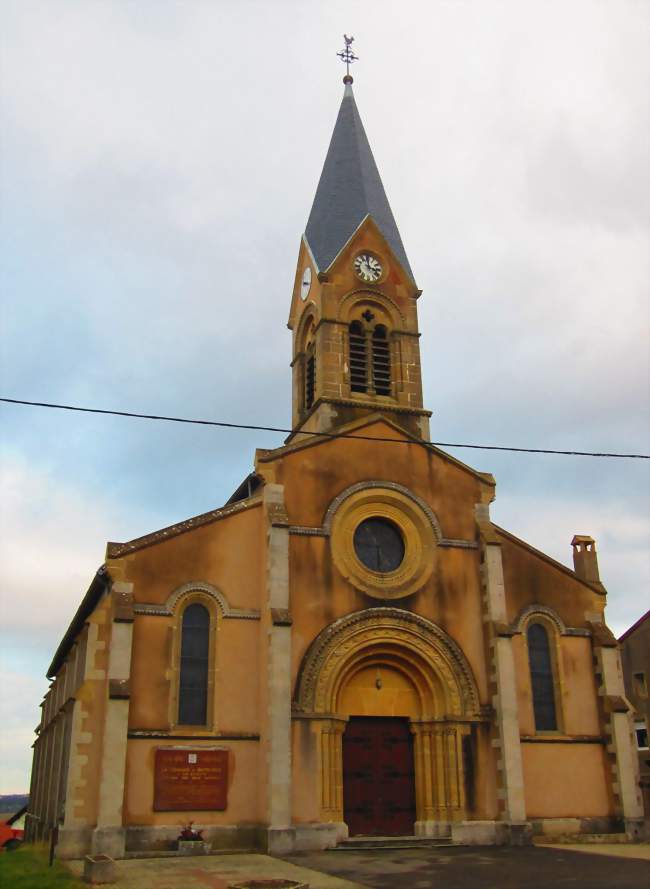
(585, 560)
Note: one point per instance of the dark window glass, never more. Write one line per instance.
(310, 379)
(195, 643)
(380, 361)
(541, 677)
(379, 545)
(358, 360)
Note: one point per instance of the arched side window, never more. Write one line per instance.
(194, 663)
(380, 360)
(541, 678)
(358, 358)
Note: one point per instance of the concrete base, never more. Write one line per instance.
(519, 833)
(432, 828)
(74, 842)
(316, 837)
(551, 827)
(227, 838)
(99, 869)
(636, 830)
(108, 841)
(557, 826)
(280, 840)
(478, 833)
(491, 833)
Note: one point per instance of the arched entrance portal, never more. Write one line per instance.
(396, 687)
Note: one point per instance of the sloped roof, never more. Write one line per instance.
(349, 189)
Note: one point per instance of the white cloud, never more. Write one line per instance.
(52, 542)
(19, 714)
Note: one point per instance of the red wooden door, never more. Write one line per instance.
(378, 779)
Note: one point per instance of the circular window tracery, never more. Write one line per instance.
(379, 545)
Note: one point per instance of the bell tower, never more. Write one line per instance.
(354, 302)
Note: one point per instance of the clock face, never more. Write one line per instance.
(367, 267)
(306, 282)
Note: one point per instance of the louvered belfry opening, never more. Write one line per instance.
(358, 358)
(310, 378)
(380, 360)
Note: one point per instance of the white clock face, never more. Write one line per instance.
(306, 282)
(367, 267)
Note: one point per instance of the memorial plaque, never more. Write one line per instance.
(190, 780)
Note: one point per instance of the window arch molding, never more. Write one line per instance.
(305, 358)
(184, 598)
(543, 612)
(306, 328)
(378, 302)
(542, 677)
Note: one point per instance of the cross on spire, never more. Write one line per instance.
(346, 55)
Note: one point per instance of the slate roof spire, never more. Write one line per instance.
(349, 189)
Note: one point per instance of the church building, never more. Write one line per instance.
(349, 646)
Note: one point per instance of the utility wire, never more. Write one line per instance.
(223, 424)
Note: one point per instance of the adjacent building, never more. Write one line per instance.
(349, 646)
(635, 658)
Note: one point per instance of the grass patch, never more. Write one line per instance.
(27, 868)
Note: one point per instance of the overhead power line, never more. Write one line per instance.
(225, 425)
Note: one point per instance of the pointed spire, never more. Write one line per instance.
(349, 189)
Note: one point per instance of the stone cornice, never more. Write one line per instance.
(116, 550)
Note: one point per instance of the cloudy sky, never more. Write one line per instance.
(158, 164)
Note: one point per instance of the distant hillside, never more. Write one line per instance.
(12, 802)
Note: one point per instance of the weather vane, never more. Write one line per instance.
(346, 55)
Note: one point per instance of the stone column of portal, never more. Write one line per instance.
(281, 835)
(109, 835)
(505, 702)
(618, 728)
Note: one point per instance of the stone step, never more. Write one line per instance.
(574, 839)
(354, 844)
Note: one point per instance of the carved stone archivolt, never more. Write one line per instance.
(444, 706)
(410, 644)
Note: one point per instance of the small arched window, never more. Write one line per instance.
(541, 678)
(358, 358)
(195, 649)
(380, 360)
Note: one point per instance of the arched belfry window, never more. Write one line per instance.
(541, 678)
(358, 358)
(369, 352)
(195, 650)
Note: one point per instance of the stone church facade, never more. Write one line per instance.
(349, 646)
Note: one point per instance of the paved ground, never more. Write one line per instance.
(617, 866)
(485, 868)
(213, 872)
(623, 850)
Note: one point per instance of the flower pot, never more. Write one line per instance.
(194, 847)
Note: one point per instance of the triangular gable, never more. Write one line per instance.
(358, 427)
